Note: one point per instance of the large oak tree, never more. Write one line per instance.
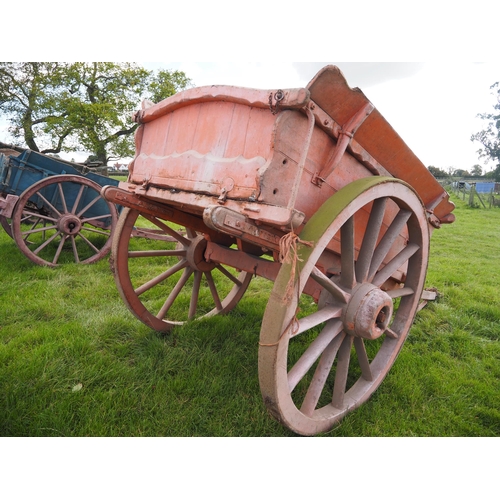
(54, 107)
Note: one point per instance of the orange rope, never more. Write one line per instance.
(289, 255)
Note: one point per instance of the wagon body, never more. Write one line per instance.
(224, 141)
(269, 160)
(60, 199)
(314, 178)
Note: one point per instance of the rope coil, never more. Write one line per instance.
(288, 254)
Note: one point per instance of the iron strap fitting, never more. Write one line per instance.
(278, 97)
(433, 219)
(345, 134)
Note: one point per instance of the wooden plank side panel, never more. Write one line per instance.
(206, 147)
(259, 134)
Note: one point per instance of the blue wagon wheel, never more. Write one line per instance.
(63, 219)
(319, 360)
(165, 281)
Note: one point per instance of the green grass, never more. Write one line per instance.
(75, 362)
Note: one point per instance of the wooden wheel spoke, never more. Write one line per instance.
(59, 250)
(75, 250)
(364, 363)
(89, 205)
(320, 376)
(78, 198)
(195, 294)
(175, 292)
(27, 215)
(400, 292)
(161, 277)
(47, 202)
(213, 291)
(386, 272)
(26, 219)
(95, 230)
(370, 239)
(37, 230)
(387, 241)
(167, 229)
(391, 333)
(37, 250)
(227, 274)
(312, 353)
(62, 197)
(343, 360)
(330, 286)
(97, 217)
(86, 240)
(321, 316)
(347, 276)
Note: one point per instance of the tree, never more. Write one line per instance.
(459, 172)
(31, 95)
(489, 138)
(437, 172)
(81, 105)
(477, 171)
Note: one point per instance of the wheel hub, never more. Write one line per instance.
(196, 255)
(69, 224)
(368, 312)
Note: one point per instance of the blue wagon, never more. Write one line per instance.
(53, 208)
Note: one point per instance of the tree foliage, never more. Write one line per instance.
(437, 172)
(31, 96)
(58, 107)
(477, 171)
(489, 138)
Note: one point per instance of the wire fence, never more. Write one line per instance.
(476, 194)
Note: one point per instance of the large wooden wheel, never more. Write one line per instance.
(62, 219)
(368, 262)
(166, 281)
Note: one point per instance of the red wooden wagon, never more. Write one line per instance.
(310, 188)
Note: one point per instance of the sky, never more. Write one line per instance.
(432, 105)
(432, 100)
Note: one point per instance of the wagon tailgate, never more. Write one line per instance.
(329, 90)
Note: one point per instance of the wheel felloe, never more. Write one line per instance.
(368, 257)
(166, 282)
(63, 218)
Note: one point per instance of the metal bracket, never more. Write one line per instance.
(230, 222)
(345, 135)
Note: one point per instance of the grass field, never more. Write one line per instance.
(75, 362)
